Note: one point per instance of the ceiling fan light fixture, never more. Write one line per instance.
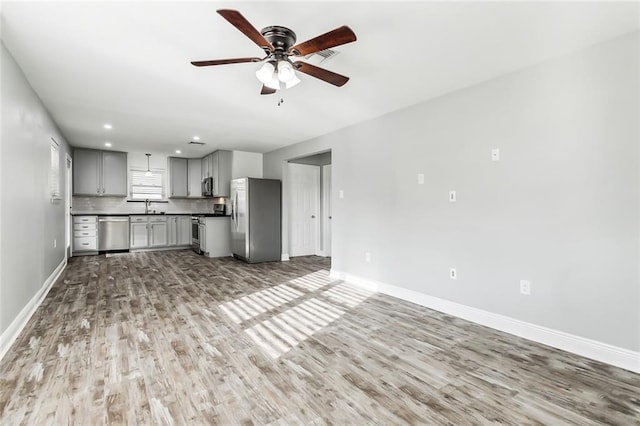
(293, 82)
(274, 83)
(285, 71)
(266, 72)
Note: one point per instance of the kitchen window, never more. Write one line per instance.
(145, 187)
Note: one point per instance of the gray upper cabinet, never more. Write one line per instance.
(114, 173)
(99, 172)
(194, 181)
(185, 177)
(178, 177)
(86, 168)
(221, 172)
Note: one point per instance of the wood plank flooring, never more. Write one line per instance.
(176, 338)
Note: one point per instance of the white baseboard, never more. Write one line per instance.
(599, 351)
(284, 257)
(15, 328)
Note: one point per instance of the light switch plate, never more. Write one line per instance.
(420, 178)
(495, 154)
(341, 193)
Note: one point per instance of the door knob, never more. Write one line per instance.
(313, 216)
(329, 217)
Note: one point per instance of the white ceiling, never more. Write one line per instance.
(127, 63)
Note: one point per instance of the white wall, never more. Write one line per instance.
(246, 164)
(29, 222)
(560, 209)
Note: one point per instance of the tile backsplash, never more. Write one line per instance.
(120, 205)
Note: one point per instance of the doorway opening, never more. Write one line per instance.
(309, 207)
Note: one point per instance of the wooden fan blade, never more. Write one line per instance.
(321, 73)
(224, 61)
(237, 20)
(267, 90)
(337, 37)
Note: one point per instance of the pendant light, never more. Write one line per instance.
(148, 172)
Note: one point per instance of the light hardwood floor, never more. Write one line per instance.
(176, 338)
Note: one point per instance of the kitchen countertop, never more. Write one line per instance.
(147, 214)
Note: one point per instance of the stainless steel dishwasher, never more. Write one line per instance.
(113, 233)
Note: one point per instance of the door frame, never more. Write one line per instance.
(68, 204)
(325, 209)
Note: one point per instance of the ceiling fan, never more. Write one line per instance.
(278, 43)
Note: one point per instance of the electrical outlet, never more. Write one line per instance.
(525, 287)
(420, 178)
(453, 274)
(452, 196)
(55, 243)
(367, 257)
(495, 154)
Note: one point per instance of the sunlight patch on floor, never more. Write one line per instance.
(252, 305)
(313, 281)
(284, 329)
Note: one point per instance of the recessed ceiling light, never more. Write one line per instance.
(108, 126)
(196, 138)
(107, 144)
(178, 151)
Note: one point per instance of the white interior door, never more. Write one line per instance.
(304, 209)
(326, 210)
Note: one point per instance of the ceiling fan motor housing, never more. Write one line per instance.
(281, 38)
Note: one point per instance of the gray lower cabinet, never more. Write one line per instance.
(184, 230)
(157, 231)
(139, 232)
(148, 231)
(217, 237)
(99, 173)
(85, 235)
(178, 230)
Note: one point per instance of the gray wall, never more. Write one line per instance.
(560, 209)
(29, 222)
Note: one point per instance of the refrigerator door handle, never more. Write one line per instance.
(234, 211)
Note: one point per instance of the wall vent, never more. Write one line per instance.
(319, 57)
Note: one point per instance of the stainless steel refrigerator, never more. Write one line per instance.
(256, 234)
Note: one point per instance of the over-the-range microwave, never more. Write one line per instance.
(207, 187)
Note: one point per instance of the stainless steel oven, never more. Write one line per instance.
(197, 233)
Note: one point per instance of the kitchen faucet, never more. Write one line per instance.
(147, 204)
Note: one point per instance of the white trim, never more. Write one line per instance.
(15, 328)
(325, 202)
(619, 357)
(284, 257)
